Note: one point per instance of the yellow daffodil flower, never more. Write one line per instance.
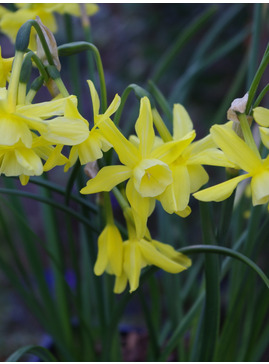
(146, 168)
(139, 253)
(238, 152)
(11, 21)
(187, 170)
(93, 146)
(67, 128)
(110, 250)
(5, 68)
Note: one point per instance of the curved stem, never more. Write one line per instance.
(76, 47)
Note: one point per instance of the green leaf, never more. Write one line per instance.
(38, 351)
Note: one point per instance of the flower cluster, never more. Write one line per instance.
(166, 168)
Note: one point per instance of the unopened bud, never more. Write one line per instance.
(237, 106)
(51, 42)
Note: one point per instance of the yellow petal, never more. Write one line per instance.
(261, 116)
(120, 283)
(95, 98)
(235, 148)
(127, 152)
(133, 263)
(198, 177)
(141, 206)
(170, 151)
(176, 196)
(221, 191)
(113, 107)
(55, 158)
(91, 149)
(110, 251)
(260, 188)
(159, 258)
(264, 132)
(144, 128)
(182, 123)
(107, 178)
(47, 109)
(171, 253)
(63, 130)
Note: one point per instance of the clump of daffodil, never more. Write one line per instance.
(144, 166)
(11, 21)
(187, 170)
(139, 253)
(95, 144)
(248, 159)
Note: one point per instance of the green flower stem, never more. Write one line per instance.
(255, 40)
(35, 86)
(161, 127)
(39, 65)
(55, 75)
(108, 208)
(261, 96)
(247, 133)
(14, 80)
(194, 249)
(121, 200)
(139, 93)
(76, 47)
(161, 100)
(257, 78)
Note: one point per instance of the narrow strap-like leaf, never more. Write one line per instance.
(38, 351)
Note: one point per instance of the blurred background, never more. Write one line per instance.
(205, 75)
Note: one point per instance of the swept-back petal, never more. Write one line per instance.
(176, 196)
(221, 191)
(170, 151)
(261, 116)
(46, 109)
(67, 131)
(144, 128)
(182, 123)
(127, 152)
(107, 178)
(95, 98)
(211, 157)
(235, 148)
(264, 133)
(133, 263)
(260, 188)
(158, 258)
(198, 177)
(171, 253)
(141, 206)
